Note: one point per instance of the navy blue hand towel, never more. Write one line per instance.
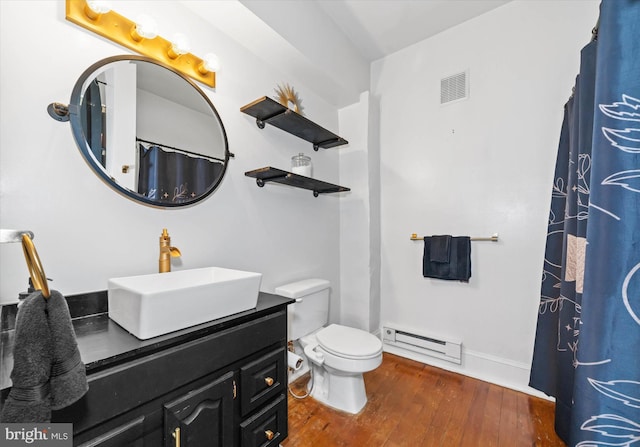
(459, 266)
(440, 248)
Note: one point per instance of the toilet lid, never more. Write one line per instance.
(349, 342)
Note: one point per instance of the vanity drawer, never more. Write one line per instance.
(262, 380)
(268, 427)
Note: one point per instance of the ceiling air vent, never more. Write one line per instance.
(454, 88)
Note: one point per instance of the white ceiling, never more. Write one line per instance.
(378, 28)
(329, 44)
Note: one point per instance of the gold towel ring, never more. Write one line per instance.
(34, 265)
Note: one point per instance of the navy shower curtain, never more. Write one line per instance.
(587, 351)
(168, 176)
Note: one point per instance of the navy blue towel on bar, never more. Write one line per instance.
(440, 248)
(459, 266)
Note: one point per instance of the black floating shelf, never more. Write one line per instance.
(266, 110)
(269, 174)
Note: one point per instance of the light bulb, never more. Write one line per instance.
(179, 46)
(95, 8)
(210, 62)
(144, 28)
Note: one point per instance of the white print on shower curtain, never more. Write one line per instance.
(568, 333)
(626, 296)
(621, 431)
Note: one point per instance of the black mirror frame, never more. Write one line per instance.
(85, 150)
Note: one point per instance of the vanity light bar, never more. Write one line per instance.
(121, 30)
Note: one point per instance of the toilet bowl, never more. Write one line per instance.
(337, 355)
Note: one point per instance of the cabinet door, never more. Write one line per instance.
(129, 434)
(202, 417)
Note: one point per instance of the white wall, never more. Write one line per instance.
(86, 232)
(360, 217)
(476, 167)
(354, 217)
(325, 54)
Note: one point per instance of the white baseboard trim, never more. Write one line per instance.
(486, 367)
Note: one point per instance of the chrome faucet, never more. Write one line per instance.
(166, 252)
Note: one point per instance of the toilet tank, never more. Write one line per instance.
(311, 310)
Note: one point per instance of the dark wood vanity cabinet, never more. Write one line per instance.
(227, 388)
(129, 434)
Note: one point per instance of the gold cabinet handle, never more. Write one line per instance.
(268, 381)
(176, 436)
(269, 434)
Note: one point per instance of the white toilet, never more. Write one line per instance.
(338, 354)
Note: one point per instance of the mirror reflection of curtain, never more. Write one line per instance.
(93, 121)
(168, 176)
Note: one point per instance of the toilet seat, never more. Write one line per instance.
(348, 342)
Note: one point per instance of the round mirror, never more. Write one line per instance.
(148, 131)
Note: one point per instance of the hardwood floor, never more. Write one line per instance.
(413, 405)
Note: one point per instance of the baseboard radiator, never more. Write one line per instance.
(449, 350)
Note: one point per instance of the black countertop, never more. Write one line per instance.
(103, 343)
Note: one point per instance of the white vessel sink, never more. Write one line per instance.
(159, 303)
